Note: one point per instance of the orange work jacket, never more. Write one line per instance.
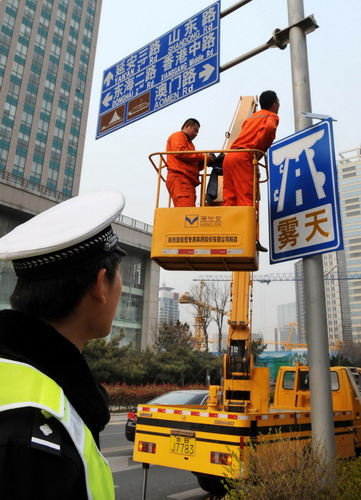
(258, 131)
(188, 165)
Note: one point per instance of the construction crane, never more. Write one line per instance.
(187, 298)
(288, 345)
(267, 278)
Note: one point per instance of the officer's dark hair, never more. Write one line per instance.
(57, 297)
(190, 122)
(267, 98)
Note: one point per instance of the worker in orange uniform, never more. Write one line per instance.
(258, 132)
(183, 169)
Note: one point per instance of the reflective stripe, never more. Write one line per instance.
(45, 443)
(33, 386)
(23, 385)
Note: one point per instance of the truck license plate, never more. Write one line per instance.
(183, 445)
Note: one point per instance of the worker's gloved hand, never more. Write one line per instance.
(210, 158)
(218, 160)
(218, 169)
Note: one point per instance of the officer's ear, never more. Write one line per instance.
(99, 288)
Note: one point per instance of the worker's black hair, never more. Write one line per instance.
(56, 298)
(190, 122)
(267, 98)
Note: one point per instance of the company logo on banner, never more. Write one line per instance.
(303, 195)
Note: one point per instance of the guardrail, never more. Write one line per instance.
(136, 224)
(32, 187)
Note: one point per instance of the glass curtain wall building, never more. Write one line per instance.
(349, 181)
(47, 51)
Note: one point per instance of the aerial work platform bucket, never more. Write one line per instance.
(206, 237)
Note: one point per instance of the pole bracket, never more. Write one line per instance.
(281, 38)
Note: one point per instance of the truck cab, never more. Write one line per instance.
(292, 392)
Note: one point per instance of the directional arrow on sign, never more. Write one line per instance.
(107, 99)
(108, 79)
(123, 87)
(206, 73)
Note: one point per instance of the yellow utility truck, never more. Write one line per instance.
(205, 440)
(212, 440)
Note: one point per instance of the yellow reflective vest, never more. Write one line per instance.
(22, 385)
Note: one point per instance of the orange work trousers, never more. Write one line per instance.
(181, 190)
(238, 179)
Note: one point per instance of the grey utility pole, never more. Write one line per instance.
(315, 305)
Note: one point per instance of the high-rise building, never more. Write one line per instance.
(168, 309)
(342, 293)
(47, 52)
(349, 182)
(287, 325)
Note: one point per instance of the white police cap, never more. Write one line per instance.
(75, 232)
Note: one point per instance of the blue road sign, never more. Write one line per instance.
(183, 61)
(304, 214)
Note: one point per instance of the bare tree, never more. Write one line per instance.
(220, 301)
(200, 297)
(211, 301)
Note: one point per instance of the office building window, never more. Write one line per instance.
(18, 165)
(9, 20)
(14, 89)
(74, 24)
(73, 141)
(36, 169)
(13, 3)
(21, 50)
(46, 106)
(9, 111)
(3, 59)
(59, 132)
(53, 175)
(52, 69)
(30, 99)
(61, 114)
(25, 32)
(17, 69)
(55, 156)
(3, 157)
(34, 79)
(29, 12)
(39, 150)
(61, 14)
(68, 184)
(5, 133)
(27, 118)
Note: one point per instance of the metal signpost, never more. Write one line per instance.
(304, 210)
(176, 65)
(315, 303)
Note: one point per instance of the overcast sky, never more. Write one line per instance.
(120, 159)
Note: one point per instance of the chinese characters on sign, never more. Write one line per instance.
(183, 61)
(303, 195)
(202, 239)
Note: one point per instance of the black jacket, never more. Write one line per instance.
(31, 471)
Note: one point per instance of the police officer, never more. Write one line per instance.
(67, 262)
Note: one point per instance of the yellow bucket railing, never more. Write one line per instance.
(257, 156)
